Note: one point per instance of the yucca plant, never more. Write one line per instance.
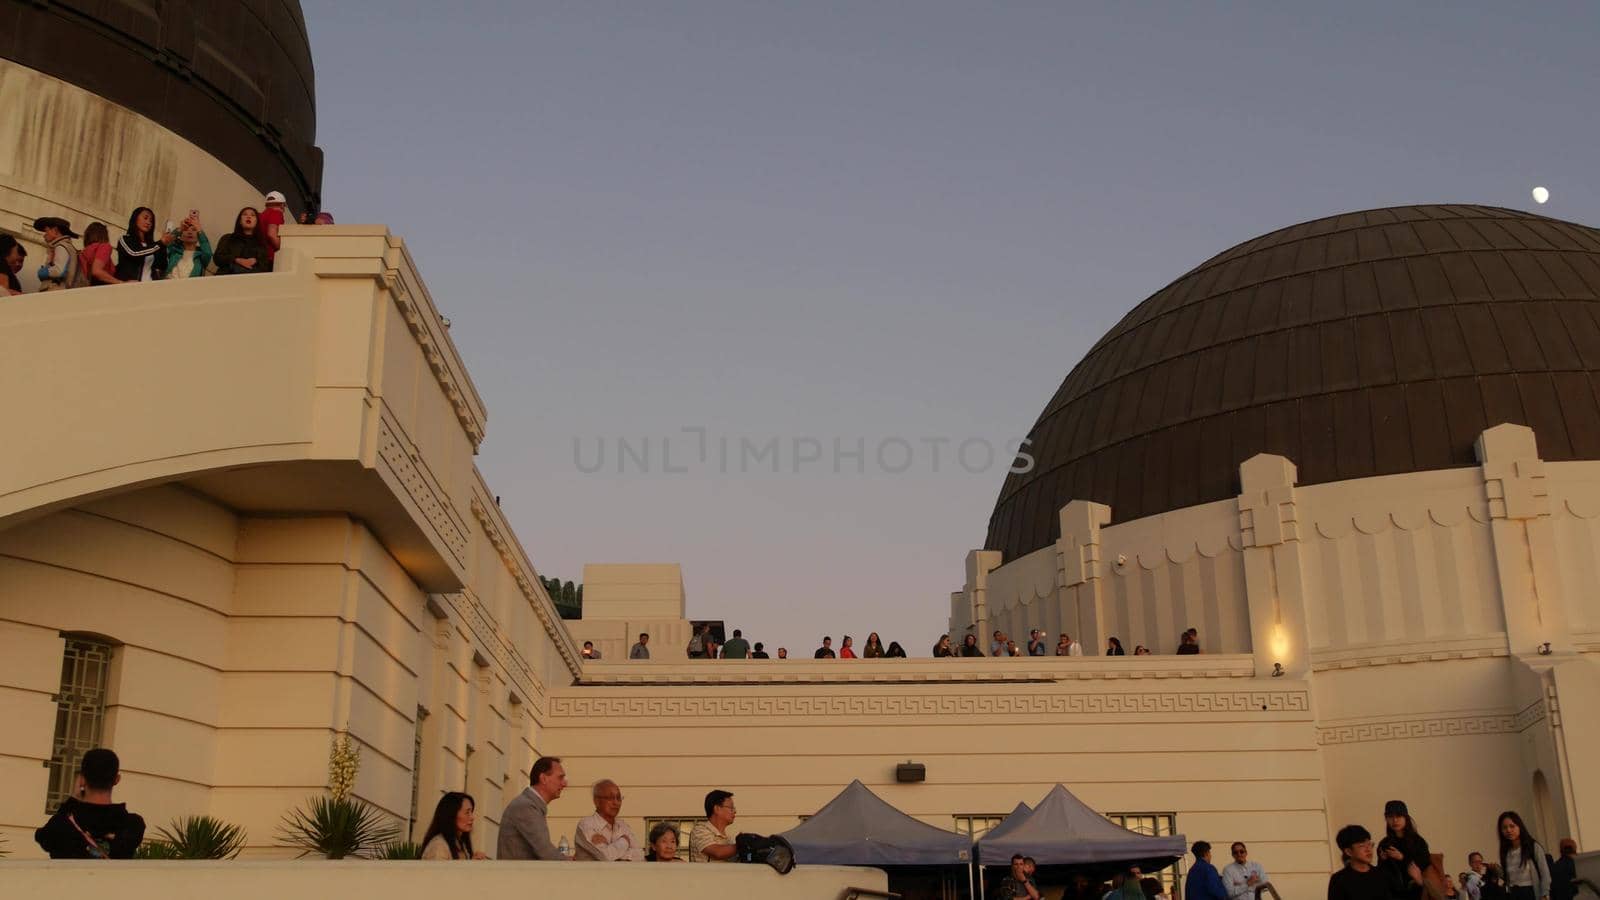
(400, 850)
(202, 837)
(156, 849)
(337, 827)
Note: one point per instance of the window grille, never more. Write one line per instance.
(977, 825)
(80, 714)
(416, 772)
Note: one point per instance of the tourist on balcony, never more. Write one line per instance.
(241, 251)
(141, 253)
(709, 841)
(1066, 646)
(641, 650)
(826, 650)
(89, 825)
(1203, 882)
(997, 645)
(449, 835)
(737, 648)
(323, 218)
(61, 268)
(698, 640)
(1036, 645)
(1361, 878)
(1244, 878)
(603, 836)
(190, 254)
(272, 217)
(896, 651)
(663, 843)
(943, 649)
(589, 652)
(1189, 644)
(1522, 859)
(783, 652)
(760, 652)
(12, 254)
(525, 825)
(1114, 647)
(969, 646)
(844, 649)
(874, 647)
(1401, 848)
(95, 258)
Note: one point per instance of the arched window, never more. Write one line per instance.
(80, 711)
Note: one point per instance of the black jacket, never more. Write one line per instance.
(117, 831)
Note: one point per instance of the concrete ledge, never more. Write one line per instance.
(237, 880)
(913, 671)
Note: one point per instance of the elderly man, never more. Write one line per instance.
(602, 836)
(1245, 879)
(710, 841)
(525, 826)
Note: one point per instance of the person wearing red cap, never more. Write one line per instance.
(271, 218)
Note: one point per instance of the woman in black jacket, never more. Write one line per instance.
(141, 253)
(241, 250)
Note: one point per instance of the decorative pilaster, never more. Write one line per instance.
(1079, 571)
(1269, 532)
(1524, 540)
(979, 564)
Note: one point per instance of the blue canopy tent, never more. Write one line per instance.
(1063, 830)
(857, 828)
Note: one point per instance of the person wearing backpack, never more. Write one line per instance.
(697, 643)
(61, 269)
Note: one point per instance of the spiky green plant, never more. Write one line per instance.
(336, 828)
(400, 850)
(157, 849)
(202, 837)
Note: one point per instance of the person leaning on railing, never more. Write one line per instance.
(242, 251)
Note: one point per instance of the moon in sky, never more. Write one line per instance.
(1540, 195)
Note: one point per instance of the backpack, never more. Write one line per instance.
(773, 851)
(697, 644)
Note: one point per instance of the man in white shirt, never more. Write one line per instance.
(1472, 884)
(603, 836)
(1245, 880)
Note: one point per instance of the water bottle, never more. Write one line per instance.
(564, 849)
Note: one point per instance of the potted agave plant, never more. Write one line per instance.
(338, 825)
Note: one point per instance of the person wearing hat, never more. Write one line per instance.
(61, 269)
(272, 217)
(1401, 848)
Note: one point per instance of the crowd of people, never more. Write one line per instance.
(143, 253)
(703, 645)
(90, 824)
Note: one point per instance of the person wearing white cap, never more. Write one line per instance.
(271, 218)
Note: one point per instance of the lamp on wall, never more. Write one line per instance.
(1279, 644)
(1277, 670)
(909, 771)
(1544, 649)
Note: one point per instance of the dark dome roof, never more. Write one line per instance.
(1365, 344)
(235, 78)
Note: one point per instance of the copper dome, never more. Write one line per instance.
(1370, 343)
(234, 78)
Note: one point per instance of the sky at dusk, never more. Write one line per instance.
(863, 243)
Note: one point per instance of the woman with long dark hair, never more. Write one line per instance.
(141, 253)
(1114, 647)
(449, 835)
(895, 651)
(1522, 859)
(241, 251)
(969, 646)
(874, 647)
(1401, 849)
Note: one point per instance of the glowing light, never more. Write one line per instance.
(1540, 195)
(1280, 642)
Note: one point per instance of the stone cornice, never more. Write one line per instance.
(527, 582)
(1019, 670)
(1404, 652)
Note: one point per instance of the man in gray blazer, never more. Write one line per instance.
(524, 828)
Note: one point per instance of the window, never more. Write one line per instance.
(80, 713)
(1156, 825)
(416, 772)
(685, 825)
(976, 826)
